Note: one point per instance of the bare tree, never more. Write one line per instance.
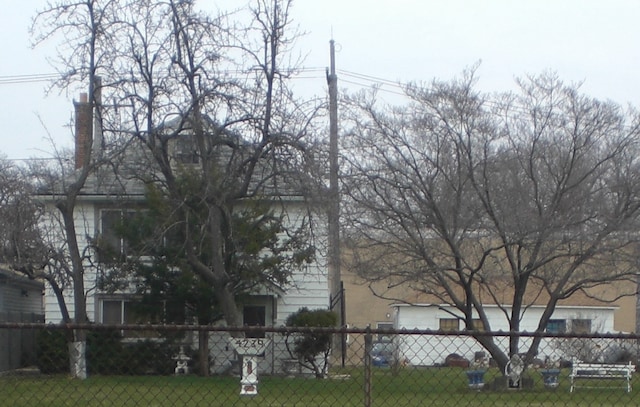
(191, 85)
(26, 245)
(79, 26)
(513, 200)
(199, 109)
(20, 240)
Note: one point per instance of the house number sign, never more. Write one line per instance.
(249, 349)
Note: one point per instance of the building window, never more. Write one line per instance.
(112, 244)
(119, 311)
(580, 326)
(478, 325)
(186, 151)
(449, 324)
(556, 326)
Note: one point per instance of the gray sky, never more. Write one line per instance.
(593, 41)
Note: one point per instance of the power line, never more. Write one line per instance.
(31, 78)
(48, 77)
(303, 73)
(370, 78)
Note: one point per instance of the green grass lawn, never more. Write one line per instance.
(409, 387)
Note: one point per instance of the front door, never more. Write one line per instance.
(254, 315)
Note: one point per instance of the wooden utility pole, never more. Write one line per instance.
(334, 198)
(333, 212)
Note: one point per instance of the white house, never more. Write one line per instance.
(432, 350)
(105, 199)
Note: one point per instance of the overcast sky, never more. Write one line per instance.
(594, 41)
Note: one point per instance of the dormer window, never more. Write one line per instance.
(185, 151)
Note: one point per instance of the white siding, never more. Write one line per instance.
(309, 287)
(85, 222)
(431, 350)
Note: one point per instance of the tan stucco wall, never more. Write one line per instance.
(364, 308)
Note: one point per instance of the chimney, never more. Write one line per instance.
(83, 129)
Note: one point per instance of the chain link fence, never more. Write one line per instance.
(211, 366)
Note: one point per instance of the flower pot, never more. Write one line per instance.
(550, 377)
(476, 378)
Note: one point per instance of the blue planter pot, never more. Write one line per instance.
(476, 378)
(550, 377)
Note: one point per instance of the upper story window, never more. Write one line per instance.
(185, 151)
(112, 244)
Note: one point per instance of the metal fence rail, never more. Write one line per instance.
(155, 365)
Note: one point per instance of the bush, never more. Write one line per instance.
(308, 346)
(150, 358)
(52, 351)
(106, 354)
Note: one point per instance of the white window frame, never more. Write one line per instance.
(122, 299)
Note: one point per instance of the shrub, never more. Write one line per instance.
(308, 346)
(52, 351)
(106, 354)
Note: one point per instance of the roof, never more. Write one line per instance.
(9, 276)
(127, 174)
(539, 306)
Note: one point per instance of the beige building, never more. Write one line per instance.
(364, 308)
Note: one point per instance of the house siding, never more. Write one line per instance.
(309, 286)
(20, 301)
(433, 349)
(20, 297)
(86, 227)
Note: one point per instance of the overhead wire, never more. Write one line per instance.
(303, 73)
(28, 78)
(48, 77)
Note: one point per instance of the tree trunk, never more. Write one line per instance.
(77, 348)
(227, 302)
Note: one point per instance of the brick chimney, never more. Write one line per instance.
(84, 126)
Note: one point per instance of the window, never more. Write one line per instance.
(185, 150)
(580, 326)
(117, 311)
(111, 220)
(556, 326)
(449, 324)
(116, 223)
(478, 325)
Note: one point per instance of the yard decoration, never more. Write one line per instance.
(514, 370)
(550, 377)
(550, 373)
(249, 349)
(475, 375)
(182, 362)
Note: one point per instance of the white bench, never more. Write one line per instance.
(601, 371)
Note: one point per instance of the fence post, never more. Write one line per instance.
(368, 344)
